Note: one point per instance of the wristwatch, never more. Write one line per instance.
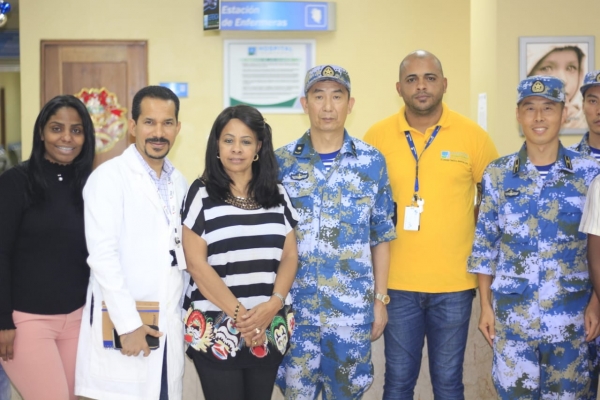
(384, 298)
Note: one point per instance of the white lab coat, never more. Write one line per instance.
(129, 239)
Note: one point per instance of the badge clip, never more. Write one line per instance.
(417, 202)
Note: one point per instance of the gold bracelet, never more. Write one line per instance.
(237, 308)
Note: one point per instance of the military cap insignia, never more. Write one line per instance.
(299, 176)
(327, 71)
(299, 149)
(511, 193)
(598, 78)
(538, 87)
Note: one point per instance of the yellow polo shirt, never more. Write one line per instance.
(434, 259)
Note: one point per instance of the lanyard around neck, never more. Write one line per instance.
(413, 150)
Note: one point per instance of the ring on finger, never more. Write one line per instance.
(257, 330)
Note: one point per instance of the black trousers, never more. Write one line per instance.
(236, 384)
(164, 381)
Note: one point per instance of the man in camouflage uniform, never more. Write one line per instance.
(340, 189)
(590, 145)
(590, 90)
(530, 255)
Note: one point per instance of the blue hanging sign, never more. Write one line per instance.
(179, 88)
(277, 16)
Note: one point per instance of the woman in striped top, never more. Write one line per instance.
(240, 249)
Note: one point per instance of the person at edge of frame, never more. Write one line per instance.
(43, 270)
(590, 145)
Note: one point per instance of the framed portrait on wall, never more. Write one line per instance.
(566, 57)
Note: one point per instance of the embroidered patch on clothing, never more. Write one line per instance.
(455, 156)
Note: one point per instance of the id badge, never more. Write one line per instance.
(181, 264)
(412, 216)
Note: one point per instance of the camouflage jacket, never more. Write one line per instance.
(527, 237)
(583, 147)
(342, 213)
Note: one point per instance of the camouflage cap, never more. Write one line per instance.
(545, 86)
(326, 73)
(590, 79)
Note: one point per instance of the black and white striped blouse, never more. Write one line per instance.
(244, 246)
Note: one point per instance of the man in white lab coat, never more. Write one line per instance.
(132, 226)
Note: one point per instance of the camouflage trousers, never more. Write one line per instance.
(528, 370)
(336, 360)
(594, 368)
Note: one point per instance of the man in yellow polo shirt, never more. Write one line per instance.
(435, 159)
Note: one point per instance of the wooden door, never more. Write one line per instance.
(121, 67)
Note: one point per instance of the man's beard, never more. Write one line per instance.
(157, 140)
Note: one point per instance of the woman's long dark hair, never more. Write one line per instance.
(37, 183)
(263, 185)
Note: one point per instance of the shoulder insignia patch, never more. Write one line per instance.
(568, 162)
(516, 166)
(298, 149)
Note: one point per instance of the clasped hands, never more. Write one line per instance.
(253, 323)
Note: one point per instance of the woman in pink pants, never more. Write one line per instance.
(43, 269)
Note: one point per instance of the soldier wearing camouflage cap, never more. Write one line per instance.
(590, 90)
(340, 189)
(529, 254)
(590, 145)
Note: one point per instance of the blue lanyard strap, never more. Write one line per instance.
(413, 150)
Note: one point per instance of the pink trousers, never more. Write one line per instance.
(45, 350)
